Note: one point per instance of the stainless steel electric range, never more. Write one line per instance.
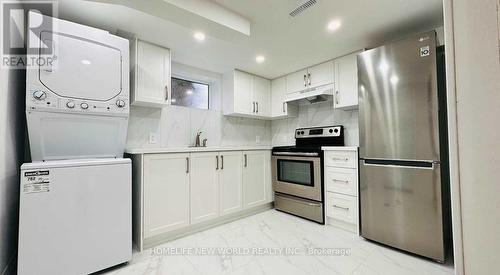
(297, 172)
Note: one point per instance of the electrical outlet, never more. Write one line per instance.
(257, 139)
(153, 138)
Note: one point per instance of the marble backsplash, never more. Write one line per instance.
(321, 114)
(177, 127)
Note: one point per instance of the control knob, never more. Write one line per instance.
(70, 104)
(39, 95)
(120, 103)
(84, 105)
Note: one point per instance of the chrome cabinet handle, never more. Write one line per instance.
(344, 159)
(305, 83)
(309, 79)
(253, 107)
(284, 107)
(187, 165)
(257, 103)
(337, 97)
(340, 207)
(217, 161)
(222, 162)
(246, 163)
(344, 181)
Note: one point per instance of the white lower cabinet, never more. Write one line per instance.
(166, 193)
(256, 177)
(341, 188)
(230, 182)
(204, 181)
(175, 193)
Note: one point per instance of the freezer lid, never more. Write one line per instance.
(73, 163)
(398, 100)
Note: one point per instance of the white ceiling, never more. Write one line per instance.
(287, 43)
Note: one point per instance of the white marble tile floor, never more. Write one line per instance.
(276, 243)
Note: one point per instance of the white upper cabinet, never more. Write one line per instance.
(296, 82)
(243, 93)
(320, 75)
(346, 84)
(310, 78)
(261, 91)
(246, 95)
(150, 74)
(279, 108)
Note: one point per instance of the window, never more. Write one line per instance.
(189, 93)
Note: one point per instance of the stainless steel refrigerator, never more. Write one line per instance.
(402, 119)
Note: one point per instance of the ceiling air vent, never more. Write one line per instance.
(302, 8)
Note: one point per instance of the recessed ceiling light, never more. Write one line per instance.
(334, 25)
(260, 58)
(199, 36)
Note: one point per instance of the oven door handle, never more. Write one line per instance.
(296, 154)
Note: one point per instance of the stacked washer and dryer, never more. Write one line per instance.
(75, 195)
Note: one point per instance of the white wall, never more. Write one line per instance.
(475, 27)
(177, 126)
(321, 114)
(11, 148)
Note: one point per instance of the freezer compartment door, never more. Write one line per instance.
(398, 100)
(401, 206)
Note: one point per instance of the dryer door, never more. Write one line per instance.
(83, 69)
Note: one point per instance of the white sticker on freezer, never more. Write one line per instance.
(36, 181)
(425, 51)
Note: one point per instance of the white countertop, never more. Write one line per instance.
(194, 149)
(339, 148)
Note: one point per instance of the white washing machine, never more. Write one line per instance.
(75, 198)
(75, 216)
(78, 107)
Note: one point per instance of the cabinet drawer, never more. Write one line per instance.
(347, 159)
(342, 180)
(342, 207)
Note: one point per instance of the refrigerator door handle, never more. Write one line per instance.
(410, 164)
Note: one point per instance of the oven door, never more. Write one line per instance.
(297, 174)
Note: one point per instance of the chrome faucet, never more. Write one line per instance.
(197, 142)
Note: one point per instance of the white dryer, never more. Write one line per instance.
(78, 106)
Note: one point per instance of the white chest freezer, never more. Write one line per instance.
(75, 216)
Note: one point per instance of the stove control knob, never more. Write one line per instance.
(39, 95)
(301, 132)
(336, 130)
(70, 104)
(84, 106)
(120, 103)
(331, 131)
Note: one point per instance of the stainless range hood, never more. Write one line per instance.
(311, 95)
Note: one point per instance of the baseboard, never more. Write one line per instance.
(189, 230)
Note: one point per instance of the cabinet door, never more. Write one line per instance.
(230, 185)
(204, 187)
(243, 98)
(254, 178)
(278, 90)
(261, 89)
(166, 193)
(153, 75)
(296, 82)
(321, 74)
(346, 84)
